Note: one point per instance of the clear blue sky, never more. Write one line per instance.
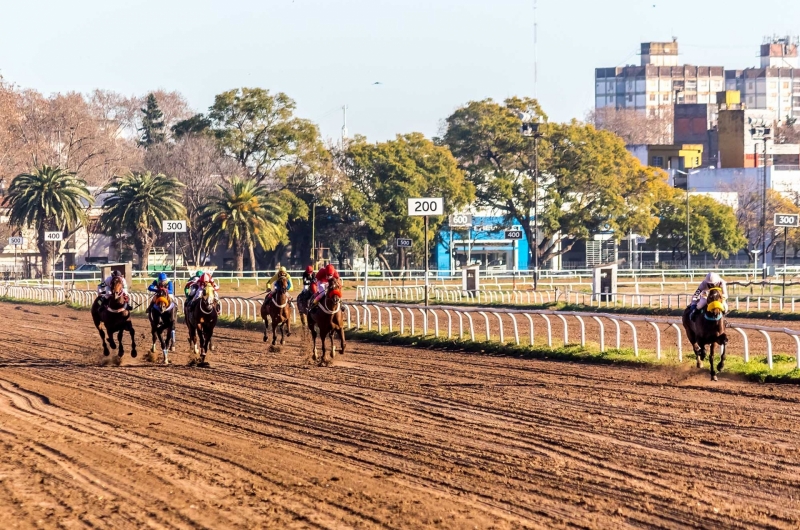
(430, 55)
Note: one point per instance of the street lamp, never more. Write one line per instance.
(688, 238)
(530, 129)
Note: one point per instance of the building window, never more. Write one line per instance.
(786, 85)
(652, 97)
(658, 161)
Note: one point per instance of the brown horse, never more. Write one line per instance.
(162, 314)
(115, 317)
(276, 307)
(707, 327)
(303, 302)
(201, 318)
(327, 316)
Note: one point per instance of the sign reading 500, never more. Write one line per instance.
(426, 206)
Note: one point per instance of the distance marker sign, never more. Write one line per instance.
(53, 236)
(787, 220)
(16, 241)
(403, 242)
(173, 226)
(426, 206)
(514, 234)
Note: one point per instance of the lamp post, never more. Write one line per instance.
(688, 224)
(530, 129)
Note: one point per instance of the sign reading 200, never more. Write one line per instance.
(426, 206)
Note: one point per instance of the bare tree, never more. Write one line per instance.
(636, 127)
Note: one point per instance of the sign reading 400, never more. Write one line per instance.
(427, 206)
(173, 226)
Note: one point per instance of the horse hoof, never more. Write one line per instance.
(203, 364)
(265, 338)
(133, 354)
(106, 353)
(714, 378)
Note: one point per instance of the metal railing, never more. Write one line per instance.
(359, 315)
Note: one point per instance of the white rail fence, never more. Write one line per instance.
(441, 321)
(461, 322)
(232, 307)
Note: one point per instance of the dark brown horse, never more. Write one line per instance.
(276, 307)
(201, 318)
(327, 316)
(707, 327)
(162, 314)
(303, 302)
(115, 318)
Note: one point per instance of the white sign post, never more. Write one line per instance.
(786, 220)
(174, 227)
(56, 237)
(426, 207)
(16, 241)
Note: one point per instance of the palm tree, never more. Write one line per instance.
(48, 199)
(245, 213)
(137, 204)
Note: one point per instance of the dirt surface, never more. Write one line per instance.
(386, 437)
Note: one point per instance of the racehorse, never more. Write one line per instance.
(707, 328)
(327, 316)
(201, 317)
(276, 307)
(303, 302)
(162, 315)
(115, 317)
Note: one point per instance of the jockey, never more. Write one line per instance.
(324, 276)
(191, 286)
(162, 282)
(272, 282)
(205, 279)
(700, 296)
(308, 278)
(104, 289)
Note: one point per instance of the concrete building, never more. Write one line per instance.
(696, 123)
(683, 156)
(658, 82)
(774, 85)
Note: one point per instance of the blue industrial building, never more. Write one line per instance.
(484, 244)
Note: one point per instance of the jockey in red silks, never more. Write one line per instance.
(323, 279)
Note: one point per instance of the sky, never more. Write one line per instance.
(429, 56)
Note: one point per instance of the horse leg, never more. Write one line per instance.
(323, 336)
(274, 329)
(121, 349)
(103, 340)
(266, 329)
(154, 332)
(313, 342)
(282, 325)
(340, 331)
(723, 352)
(129, 327)
(711, 361)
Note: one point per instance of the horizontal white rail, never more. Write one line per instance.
(433, 318)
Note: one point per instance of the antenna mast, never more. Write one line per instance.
(344, 124)
(535, 53)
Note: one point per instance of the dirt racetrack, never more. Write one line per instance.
(387, 437)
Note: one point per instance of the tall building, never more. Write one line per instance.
(775, 84)
(658, 83)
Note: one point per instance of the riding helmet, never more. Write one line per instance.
(116, 273)
(330, 269)
(162, 277)
(309, 269)
(282, 269)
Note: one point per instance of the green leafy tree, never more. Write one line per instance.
(385, 175)
(713, 227)
(586, 180)
(260, 131)
(197, 124)
(137, 204)
(152, 128)
(48, 199)
(244, 213)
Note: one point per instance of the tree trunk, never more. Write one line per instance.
(46, 251)
(253, 264)
(238, 248)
